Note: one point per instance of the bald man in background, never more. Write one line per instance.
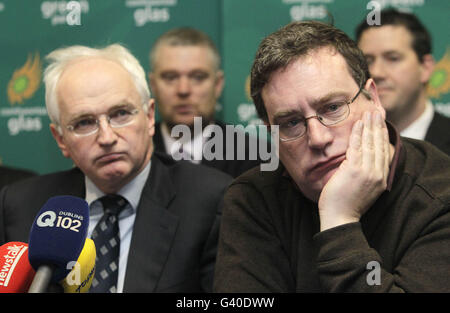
(186, 81)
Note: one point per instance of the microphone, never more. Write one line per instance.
(57, 237)
(79, 280)
(16, 272)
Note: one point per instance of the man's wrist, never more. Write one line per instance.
(328, 221)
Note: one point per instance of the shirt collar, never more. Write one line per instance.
(418, 129)
(193, 147)
(131, 191)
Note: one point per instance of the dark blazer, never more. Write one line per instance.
(231, 167)
(9, 175)
(175, 234)
(439, 132)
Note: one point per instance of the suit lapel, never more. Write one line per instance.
(153, 232)
(72, 184)
(439, 126)
(158, 141)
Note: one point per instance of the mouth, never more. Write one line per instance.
(109, 157)
(328, 164)
(183, 109)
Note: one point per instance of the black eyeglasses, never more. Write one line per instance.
(328, 115)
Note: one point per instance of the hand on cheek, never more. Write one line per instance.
(361, 178)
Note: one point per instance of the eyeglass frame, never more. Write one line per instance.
(97, 122)
(316, 116)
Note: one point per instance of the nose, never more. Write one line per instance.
(106, 136)
(319, 135)
(183, 87)
(377, 70)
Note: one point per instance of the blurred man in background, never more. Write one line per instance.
(186, 81)
(398, 53)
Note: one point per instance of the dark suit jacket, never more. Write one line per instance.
(175, 234)
(233, 167)
(9, 175)
(439, 132)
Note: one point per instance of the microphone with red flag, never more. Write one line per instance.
(16, 273)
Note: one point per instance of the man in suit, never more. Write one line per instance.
(399, 56)
(186, 81)
(103, 119)
(9, 175)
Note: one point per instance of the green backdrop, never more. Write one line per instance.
(31, 29)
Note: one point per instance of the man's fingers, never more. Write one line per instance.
(379, 143)
(375, 147)
(386, 152)
(355, 144)
(368, 144)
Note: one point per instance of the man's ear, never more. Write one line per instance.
(371, 87)
(220, 83)
(151, 116)
(59, 140)
(427, 68)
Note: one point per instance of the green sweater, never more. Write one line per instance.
(270, 239)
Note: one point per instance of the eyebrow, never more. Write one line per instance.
(328, 97)
(284, 114)
(190, 72)
(314, 104)
(167, 72)
(383, 53)
(123, 104)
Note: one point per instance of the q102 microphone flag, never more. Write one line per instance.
(58, 234)
(16, 272)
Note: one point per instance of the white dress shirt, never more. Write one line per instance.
(132, 192)
(419, 128)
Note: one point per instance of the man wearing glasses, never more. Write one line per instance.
(353, 208)
(163, 226)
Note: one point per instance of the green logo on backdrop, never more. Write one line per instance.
(25, 80)
(439, 83)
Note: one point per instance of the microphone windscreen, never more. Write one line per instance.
(16, 272)
(79, 280)
(58, 234)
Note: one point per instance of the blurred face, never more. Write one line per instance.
(111, 157)
(395, 67)
(185, 83)
(301, 89)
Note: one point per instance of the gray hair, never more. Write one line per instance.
(60, 58)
